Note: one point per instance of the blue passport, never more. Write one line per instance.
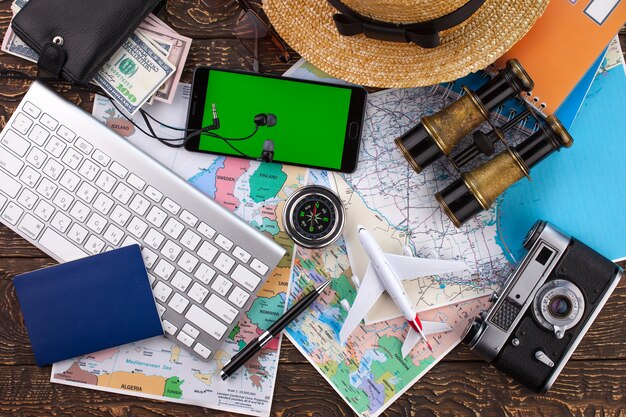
(87, 305)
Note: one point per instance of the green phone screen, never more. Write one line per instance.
(311, 118)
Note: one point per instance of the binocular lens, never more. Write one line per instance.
(458, 202)
(418, 148)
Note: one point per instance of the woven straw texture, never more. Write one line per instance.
(307, 26)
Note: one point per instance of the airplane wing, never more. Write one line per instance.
(369, 291)
(409, 267)
(428, 327)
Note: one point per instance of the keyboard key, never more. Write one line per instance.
(173, 228)
(238, 297)
(206, 230)
(198, 293)
(188, 262)
(32, 110)
(105, 182)
(171, 250)
(224, 242)
(118, 170)
(49, 122)
(56, 243)
(204, 274)
(46, 188)
(77, 234)
(55, 147)
(181, 281)
(63, 200)
(160, 308)
(245, 278)
(154, 239)
(139, 205)
(190, 240)
(162, 291)
(188, 218)
(149, 257)
(136, 182)
(36, 157)
(221, 309)
(97, 223)
(12, 213)
(241, 254)
(8, 185)
(156, 216)
(15, 142)
(84, 146)
(66, 134)
(27, 199)
(171, 206)
(61, 222)
(207, 251)
(3, 201)
(184, 338)
(120, 215)
(129, 241)
(259, 267)
(122, 193)
(86, 192)
(22, 123)
(103, 204)
(89, 170)
(10, 163)
(153, 194)
(44, 210)
(31, 226)
(178, 303)
(94, 245)
(164, 269)
(30, 177)
(53, 169)
(221, 285)
(224, 263)
(69, 180)
(79, 211)
(39, 135)
(191, 331)
(206, 322)
(137, 227)
(113, 235)
(72, 158)
(168, 327)
(202, 350)
(101, 158)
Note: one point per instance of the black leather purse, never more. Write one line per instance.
(74, 38)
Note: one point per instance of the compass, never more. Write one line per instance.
(314, 217)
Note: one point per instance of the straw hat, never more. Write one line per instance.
(474, 34)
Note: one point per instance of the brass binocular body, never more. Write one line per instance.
(439, 134)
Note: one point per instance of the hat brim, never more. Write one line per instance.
(307, 26)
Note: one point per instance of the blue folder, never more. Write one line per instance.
(87, 305)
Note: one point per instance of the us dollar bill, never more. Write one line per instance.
(134, 73)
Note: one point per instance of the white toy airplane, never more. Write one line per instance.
(385, 272)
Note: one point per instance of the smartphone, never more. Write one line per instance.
(318, 125)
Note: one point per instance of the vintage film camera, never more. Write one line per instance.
(439, 134)
(545, 308)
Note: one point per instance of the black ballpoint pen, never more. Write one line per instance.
(257, 344)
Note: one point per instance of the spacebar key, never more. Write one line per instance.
(60, 247)
(206, 322)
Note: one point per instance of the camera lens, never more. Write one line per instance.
(560, 307)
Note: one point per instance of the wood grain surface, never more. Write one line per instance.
(592, 384)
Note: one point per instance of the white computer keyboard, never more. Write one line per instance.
(74, 188)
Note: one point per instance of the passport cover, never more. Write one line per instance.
(87, 305)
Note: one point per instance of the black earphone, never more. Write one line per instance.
(265, 119)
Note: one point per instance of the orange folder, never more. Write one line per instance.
(564, 43)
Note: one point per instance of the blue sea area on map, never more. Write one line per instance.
(205, 179)
(580, 189)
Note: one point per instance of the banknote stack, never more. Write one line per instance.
(147, 67)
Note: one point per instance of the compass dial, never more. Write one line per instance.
(314, 217)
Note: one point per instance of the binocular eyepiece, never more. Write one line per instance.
(438, 134)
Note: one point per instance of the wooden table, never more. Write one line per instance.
(592, 383)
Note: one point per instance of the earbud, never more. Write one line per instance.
(264, 119)
(268, 151)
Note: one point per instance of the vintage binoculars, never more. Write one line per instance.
(439, 134)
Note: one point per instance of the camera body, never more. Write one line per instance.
(544, 309)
